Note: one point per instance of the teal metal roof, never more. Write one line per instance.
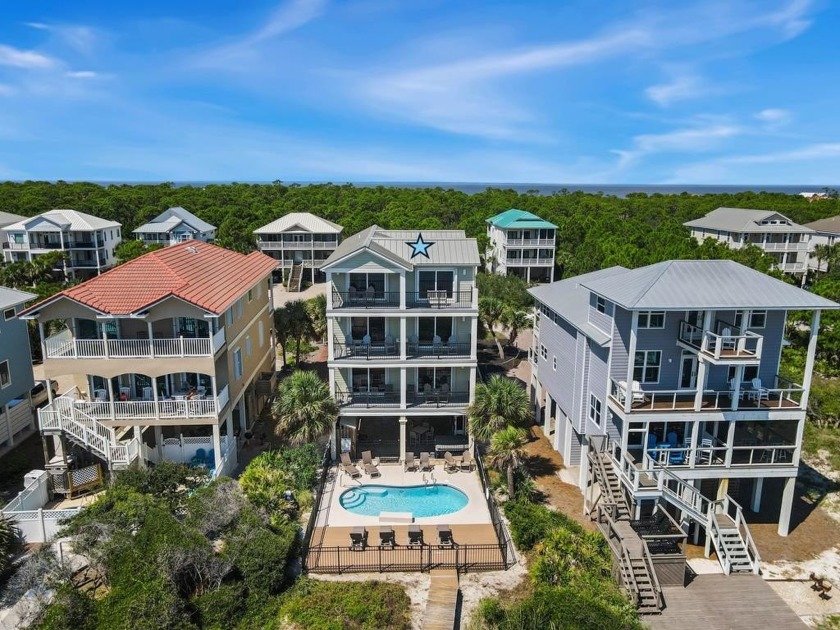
(514, 218)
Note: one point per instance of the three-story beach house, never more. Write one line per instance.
(673, 371)
(402, 318)
(827, 233)
(788, 243)
(521, 244)
(175, 225)
(171, 353)
(299, 241)
(15, 369)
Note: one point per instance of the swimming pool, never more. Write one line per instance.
(431, 500)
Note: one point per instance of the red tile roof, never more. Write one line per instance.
(205, 275)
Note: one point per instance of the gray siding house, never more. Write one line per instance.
(15, 369)
(673, 369)
(175, 225)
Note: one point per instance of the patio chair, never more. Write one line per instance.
(467, 461)
(200, 458)
(638, 393)
(727, 342)
(450, 465)
(672, 438)
(369, 466)
(387, 538)
(147, 393)
(358, 538)
(452, 344)
(705, 451)
(413, 344)
(437, 344)
(348, 467)
(741, 392)
(415, 536)
(370, 294)
(676, 456)
(410, 463)
(759, 393)
(445, 536)
(211, 458)
(425, 462)
(351, 295)
(390, 345)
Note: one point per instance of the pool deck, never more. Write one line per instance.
(333, 516)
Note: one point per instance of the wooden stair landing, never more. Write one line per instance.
(442, 605)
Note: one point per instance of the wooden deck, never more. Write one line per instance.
(479, 534)
(710, 403)
(442, 605)
(724, 602)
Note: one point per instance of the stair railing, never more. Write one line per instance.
(714, 533)
(733, 510)
(654, 579)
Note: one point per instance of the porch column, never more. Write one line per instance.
(330, 338)
(243, 420)
(755, 503)
(730, 442)
(403, 422)
(43, 342)
(217, 446)
(809, 359)
(111, 397)
(547, 418)
(584, 482)
(333, 440)
(328, 292)
(695, 438)
(159, 441)
(702, 375)
(797, 451)
(403, 387)
(231, 440)
(472, 385)
(402, 290)
(538, 404)
(736, 394)
(403, 333)
(787, 504)
(631, 360)
(474, 338)
(151, 337)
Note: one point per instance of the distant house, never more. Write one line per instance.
(299, 240)
(175, 225)
(814, 196)
(521, 244)
(788, 243)
(826, 232)
(15, 369)
(87, 241)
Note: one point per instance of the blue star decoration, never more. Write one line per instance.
(419, 246)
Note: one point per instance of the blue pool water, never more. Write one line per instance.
(434, 500)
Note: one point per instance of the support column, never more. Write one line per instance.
(809, 359)
(5, 410)
(331, 338)
(538, 396)
(159, 441)
(702, 376)
(243, 420)
(402, 290)
(43, 341)
(334, 440)
(787, 505)
(217, 446)
(730, 442)
(695, 438)
(403, 387)
(755, 503)
(473, 338)
(111, 400)
(231, 445)
(736, 393)
(403, 422)
(547, 418)
(403, 333)
(631, 360)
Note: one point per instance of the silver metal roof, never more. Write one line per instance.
(702, 284)
(7, 218)
(447, 247)
(570, 299)
(13, 297)
(171, 218)
(831, 225)
(72, 220)
(743, 220)
(300, 222)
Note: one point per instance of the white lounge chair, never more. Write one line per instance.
(759, 393)
(638, 392)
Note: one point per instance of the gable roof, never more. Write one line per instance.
(208, 276)
(743, 220)
(521, 219)
(72, 220)
(13, 297)
(7, 218)
(570, 299)
(172, 218)
(304, 221)
(831, 225)
(702, 284)
(448, 247)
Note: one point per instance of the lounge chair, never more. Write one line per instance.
(372, 470)
(410, 463)
(200, 458)
(445, 535)
(415, 536)
(759, 392)
(390, 345)
(348, 467)
(467, 461)
(638, 393)
(358, 538)
(387, 538)
(450, 465)
(425, 463)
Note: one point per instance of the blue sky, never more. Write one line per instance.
(716, 91)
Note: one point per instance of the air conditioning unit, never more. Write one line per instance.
(31, 477)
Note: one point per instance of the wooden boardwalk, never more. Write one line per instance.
(442, 604)
(724, 602)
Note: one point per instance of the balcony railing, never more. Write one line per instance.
(163, 409)
(785, 395)
(530, 261)
(366, 299)
(722, 455)
(791, 267)
(787, 247)
(391, 399)
(296, 245)
(64, 346)
(729, 344)
(379, 351)
(530, 242)
(86, 263)
(373, 299)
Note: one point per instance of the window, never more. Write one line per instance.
(543, 352)
(750, 372)
(250, 295)
(361, 282)
(237, 363)
(8, 314)
(373, 326)
(652, 319)
(5, 375)
(239, 307)
(261, 331)
(436, 281)
(600, 305)
(554, 363)
(428, 327)
(248, 346)
(229, 316)
(646, 366)
(594, 409)
(758, 319)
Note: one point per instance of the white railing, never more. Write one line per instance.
(800, 246)
(530, 242)
(296, 245)
(746, 345)
(131, 409)
(13, 245)
(731, 508)
(530, 261)
(223, 398)
(64, 346)
(791, 266)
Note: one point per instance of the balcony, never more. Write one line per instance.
(177, 407)
(785, 395)
(65, 346)
(530, 242)
(374, 299)
(277, 245)
(728, 345)
(782, 247)
(529, 262)
(385, 351)
(86, 263)
(791, 267)
(390, 399)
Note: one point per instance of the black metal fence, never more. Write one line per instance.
(463, 558)
(326, 466)
(505, 542)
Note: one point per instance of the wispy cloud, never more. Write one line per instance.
(30, 59)
(699, 138)
(679, 89)
(80, 38)
(774, 118)
(81, 74)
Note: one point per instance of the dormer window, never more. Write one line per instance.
(600, 305)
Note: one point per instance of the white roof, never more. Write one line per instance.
(13, 297)
(300, 222)
(72, 220)
(743, 220)
(169, 219)
(702, 284)
(7, 218)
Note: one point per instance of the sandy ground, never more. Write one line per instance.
(281, 296)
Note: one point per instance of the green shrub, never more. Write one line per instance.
(261, 556)
(147, 602)
(70, 610)
(221, 608)
(271, 473)
(314, 605)
(530, 523)
(168, 481)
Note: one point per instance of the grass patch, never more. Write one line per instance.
(822, 439)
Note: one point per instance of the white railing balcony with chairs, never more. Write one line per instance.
(64, 345)
(729, 343)
(175, 407)
(530, 242)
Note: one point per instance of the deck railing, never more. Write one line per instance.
(391, 399)
(64, 345)
(728, 343)
(530, 242)
(375, 299)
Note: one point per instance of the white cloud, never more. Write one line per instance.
(681, 88)
(6, 90)
(28, 59)
(288, 17)
(81, 74)
(80, 38)
(773, 116)
(695, 139)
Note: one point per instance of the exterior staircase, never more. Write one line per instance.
(295, 277)
(62, 417)
(612, 492)
(638, 572)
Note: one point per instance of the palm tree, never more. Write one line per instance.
(298, 323)
(490, 311)
(498, 403)
(316, 309)
(9, 541)
(515, 321)
(821, 252)
(282, 333)
(506, 452)
(305, 409)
